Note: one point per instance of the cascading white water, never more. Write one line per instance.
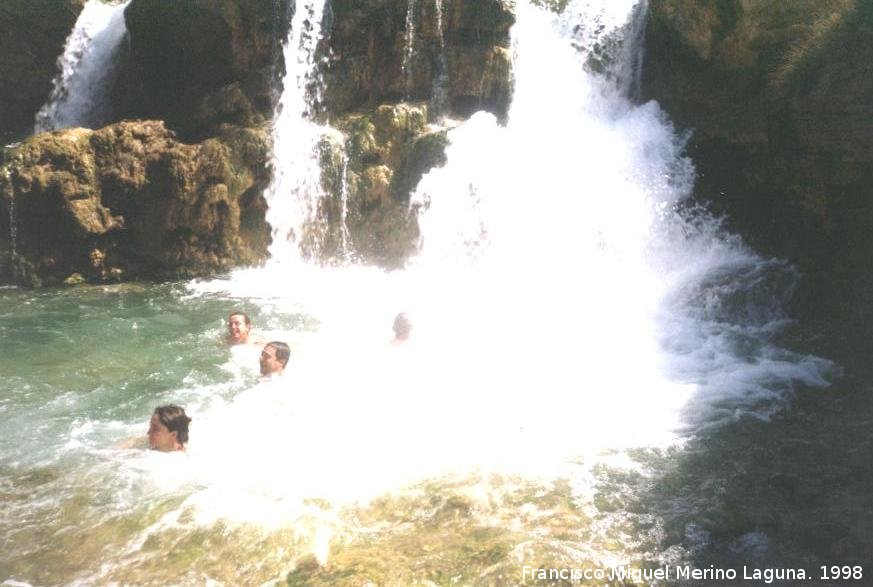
(81, 91)
(630, 66)
(563, 310)
(554, 214)
(550, 297)
(344, 204)
(566, 216)
(440, 99)
(409, 46)
(561, 306)
(296, 190)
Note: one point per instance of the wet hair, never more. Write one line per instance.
(283, 352)
(245, 316)
(175, 419)
(402, 325)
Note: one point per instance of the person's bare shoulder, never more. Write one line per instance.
(134, 443)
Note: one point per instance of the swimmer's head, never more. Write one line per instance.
(402, 326)
(168, 429)
(274, 357)
(238, 327)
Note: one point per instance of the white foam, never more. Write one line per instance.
(562, 309)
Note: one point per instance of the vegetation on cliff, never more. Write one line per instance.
(778, 97)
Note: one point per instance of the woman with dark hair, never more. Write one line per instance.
(168, 429)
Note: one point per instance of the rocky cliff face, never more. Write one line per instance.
(459, 48)
(387, 151)
(389, 72)
(779, 98)
(198, 63)
(130, 201)
(32, 35)
(180, 193)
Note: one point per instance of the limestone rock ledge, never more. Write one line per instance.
(181, 194)
(375, 164)
(148, 204)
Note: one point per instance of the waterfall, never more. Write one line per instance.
(630, 75)
(563, 306)
(81, 92)
(344, 206)
(409, 48)
(570, 211)
(440, 99)
(569, 315)
(437, 55)
(296, 190)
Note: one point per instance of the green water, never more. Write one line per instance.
(83, 368)
(103, 353)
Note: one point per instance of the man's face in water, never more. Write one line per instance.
(270, 364)
(238, 330)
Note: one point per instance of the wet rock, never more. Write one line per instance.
(389, 149)
(371, 62)
(230, 104)
(74, 279)
(427, 151)
(154, 202)
(384, 134)
(131, 199)
(199, 63)
(32, 36)
(779, 97)
(375, 185)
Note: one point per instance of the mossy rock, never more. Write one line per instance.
(779, 99)
(389, 149)
(149, 205)
(427, 152)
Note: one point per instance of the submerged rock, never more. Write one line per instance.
(148, 204)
